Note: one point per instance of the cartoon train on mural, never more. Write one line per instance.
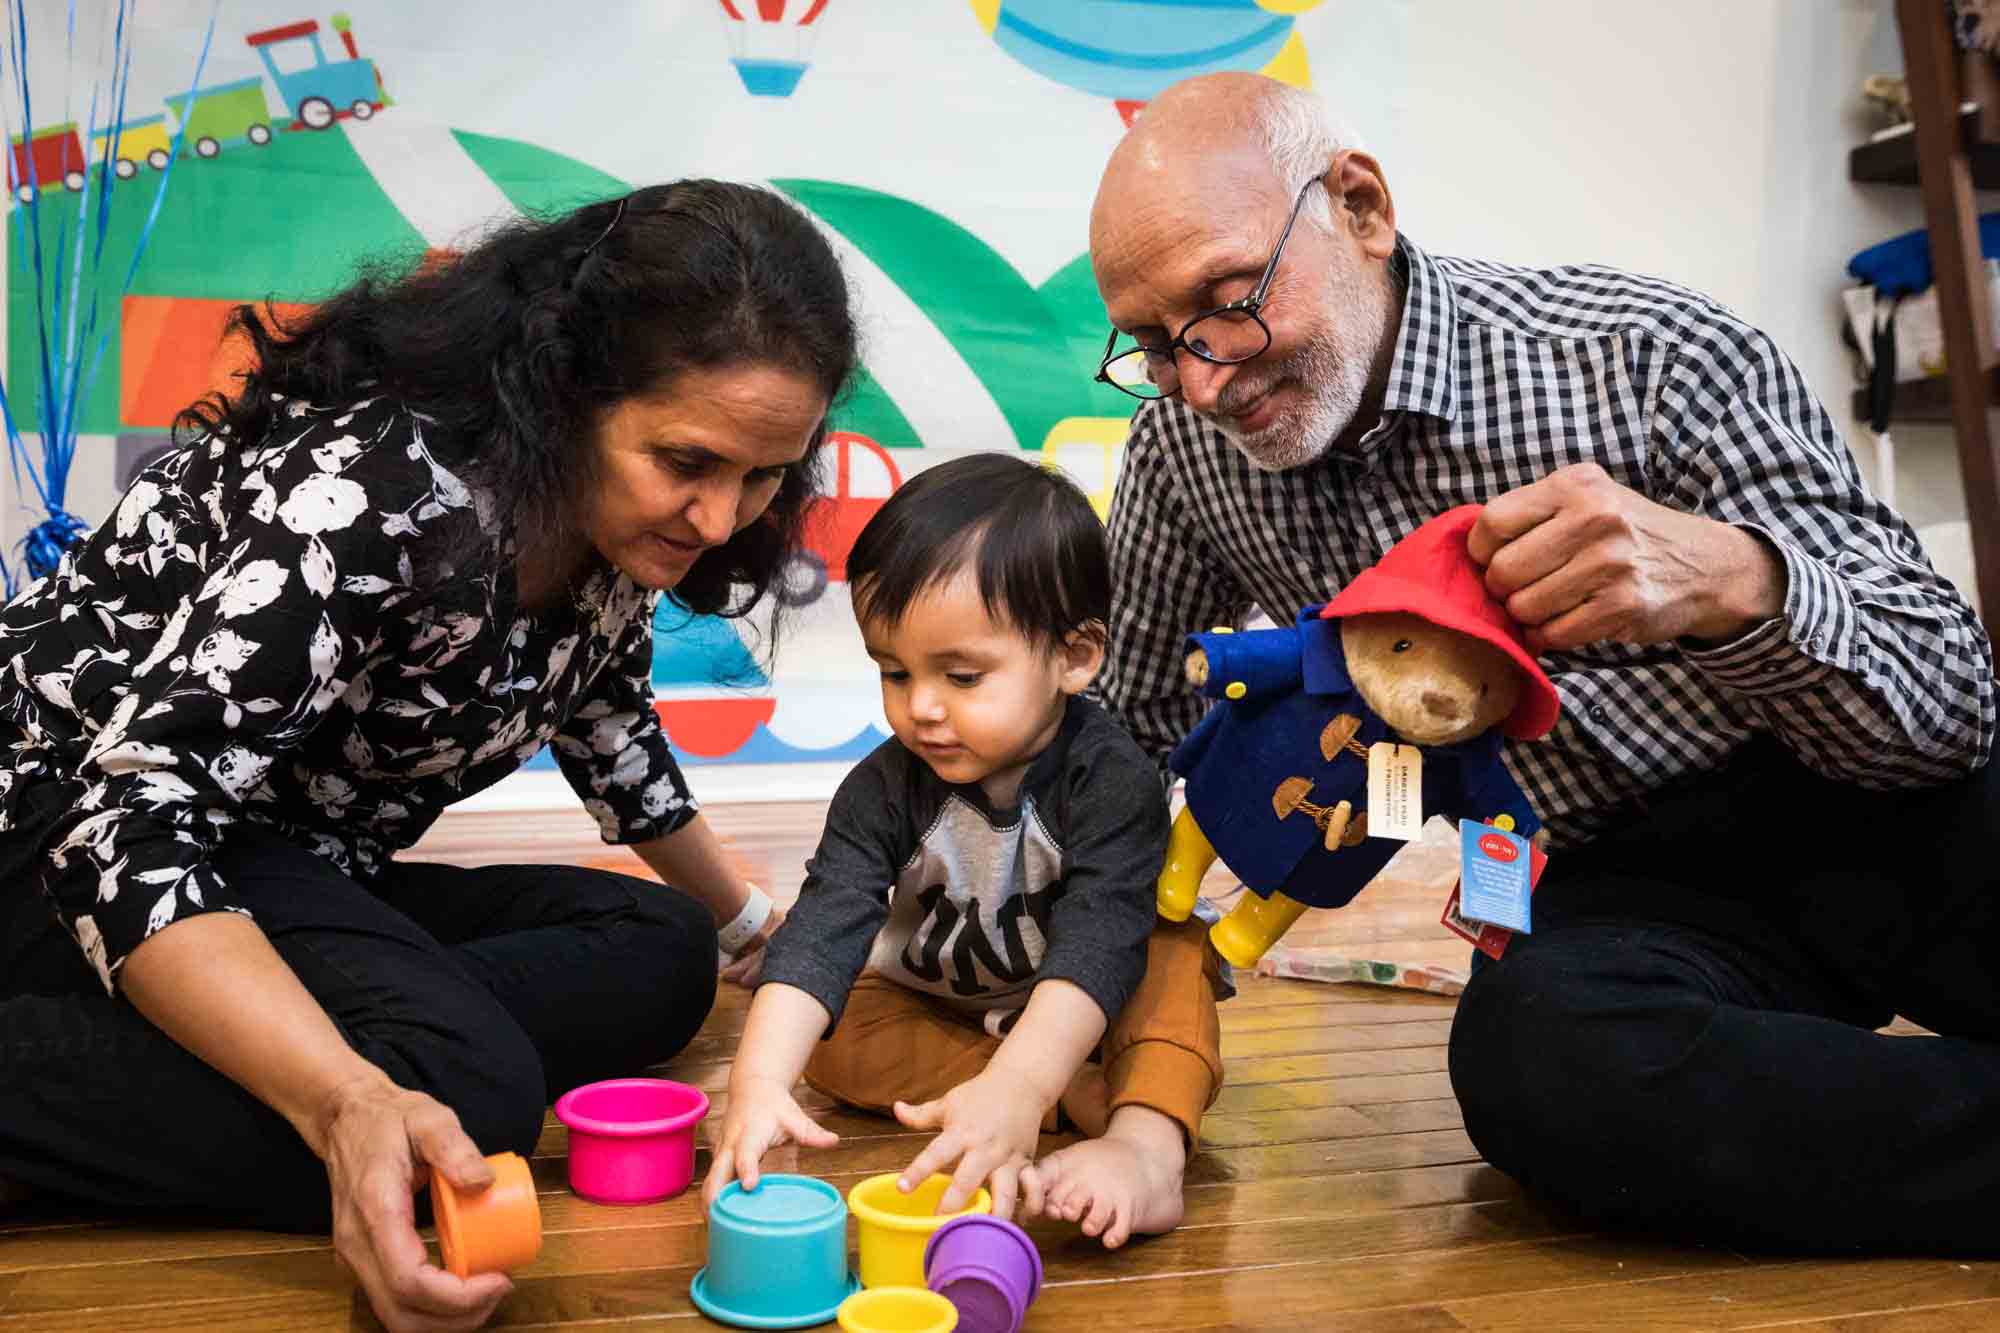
(222, 115)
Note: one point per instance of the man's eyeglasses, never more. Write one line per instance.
(1223, 336)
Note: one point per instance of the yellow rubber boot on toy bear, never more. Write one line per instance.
(1189, 855)
(1253, 926)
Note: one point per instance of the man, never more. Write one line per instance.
(1773, 824)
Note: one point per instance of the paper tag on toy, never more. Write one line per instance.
(1493, 869)
(1395, 791)
(1489, 939)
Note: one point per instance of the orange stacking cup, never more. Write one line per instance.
(494, 1231)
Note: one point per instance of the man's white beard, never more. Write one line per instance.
(1333, 395)
(1332, 369)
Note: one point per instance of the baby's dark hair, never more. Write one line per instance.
(1032, 539)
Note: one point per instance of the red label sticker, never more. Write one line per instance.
(1498, 848)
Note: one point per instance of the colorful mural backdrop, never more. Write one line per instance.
(949, 150)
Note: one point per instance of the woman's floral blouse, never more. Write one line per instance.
(260, 634)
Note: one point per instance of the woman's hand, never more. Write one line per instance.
(762, 1115)
(748, 964)
(691, 858)
(378, 1142)
(216, 986)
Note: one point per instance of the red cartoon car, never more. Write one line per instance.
(864, 476)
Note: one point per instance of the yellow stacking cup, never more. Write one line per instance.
(897, 1310)
(893, 1227)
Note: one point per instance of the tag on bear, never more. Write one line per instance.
(1493, 876)
(1489, 939)
(1395, 791)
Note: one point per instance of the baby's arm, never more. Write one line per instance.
(991, 1124)
(809, 967)
(1115, 828)
(778, 1039)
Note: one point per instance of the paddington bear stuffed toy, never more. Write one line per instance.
(1414, 651)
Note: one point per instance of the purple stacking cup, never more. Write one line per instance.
(987, 1268)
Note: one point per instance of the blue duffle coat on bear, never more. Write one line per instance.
(1295, 683)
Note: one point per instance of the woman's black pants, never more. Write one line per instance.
(494, 990)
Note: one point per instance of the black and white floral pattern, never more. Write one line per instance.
(249, 637)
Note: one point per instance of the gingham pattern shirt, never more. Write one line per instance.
(1877, 671)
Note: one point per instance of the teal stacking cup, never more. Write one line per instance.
(777, 1255)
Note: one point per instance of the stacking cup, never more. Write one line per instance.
(988, 1269)
(892, 1227)
(897, 1310)
(494, 1230)
(777, 1255)
(631, 1140)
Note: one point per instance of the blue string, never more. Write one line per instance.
(65, 291)
(43, 547)
(160, 191)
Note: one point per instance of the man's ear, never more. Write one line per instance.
(1082, 655)
(1356, 185)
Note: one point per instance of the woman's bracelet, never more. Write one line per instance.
(748, 922)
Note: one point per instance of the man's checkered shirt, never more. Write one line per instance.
(1877, 671)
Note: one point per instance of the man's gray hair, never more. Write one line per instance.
(1301, 137)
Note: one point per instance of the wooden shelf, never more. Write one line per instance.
(1894, 161)
(1953, 150)
(1924, 402)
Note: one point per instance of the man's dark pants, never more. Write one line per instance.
(1686, 1043)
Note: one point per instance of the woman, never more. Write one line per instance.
(426, 538)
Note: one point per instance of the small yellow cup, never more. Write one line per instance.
(893, 1227)
(897, 1310)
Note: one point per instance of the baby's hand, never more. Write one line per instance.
(988, 1126)
(761, 1116)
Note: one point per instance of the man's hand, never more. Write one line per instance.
(1578, 559)
(990, 1126)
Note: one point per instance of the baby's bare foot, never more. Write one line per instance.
(1126, 1183)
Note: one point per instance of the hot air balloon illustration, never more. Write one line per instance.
(1133, 50)
(770, 42)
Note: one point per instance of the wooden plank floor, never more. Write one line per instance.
(1335, 1190)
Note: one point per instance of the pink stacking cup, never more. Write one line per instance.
(989, 1270)
(631, 1140)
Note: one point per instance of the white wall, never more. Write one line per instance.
(1705, 141)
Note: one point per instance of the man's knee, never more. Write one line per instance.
(1559, 1055)
(1497, 1092)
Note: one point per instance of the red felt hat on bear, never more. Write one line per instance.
(1430, 573)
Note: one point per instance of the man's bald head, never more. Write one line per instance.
(1188, 221)
(1212, 140)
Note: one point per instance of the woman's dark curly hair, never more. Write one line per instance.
(518, 346)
